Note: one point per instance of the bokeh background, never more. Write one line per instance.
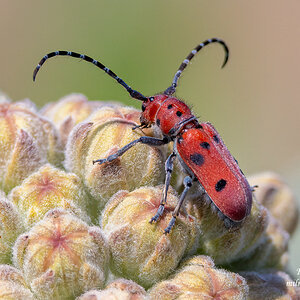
(253, 102)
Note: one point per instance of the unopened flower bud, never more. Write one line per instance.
(273, 193)
(120, 289)
(274, 285)
(10, 227)
(61, 256)
(27, 141)
(46, 189)
(13, 285)
(201, 281)
(270, 253)
(222, 244)
(198, 260)
(105, 132)
(140, 250)
(69, 111)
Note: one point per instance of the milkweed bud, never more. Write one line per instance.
(10, 227)
(46, 189)
(222, 244)
(120, 289)
(61, 256)
(197, 280)
(141, 251)
(274, 285)
(202, 260)
(106, 131)
(13, 285)
(69, 111)
(27, 141)
(273, 193)
(270, 253)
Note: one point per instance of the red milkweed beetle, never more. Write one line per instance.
(198, 146)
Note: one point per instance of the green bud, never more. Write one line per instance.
(141, 251)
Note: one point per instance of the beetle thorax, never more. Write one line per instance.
(168, 113)
(171, 115)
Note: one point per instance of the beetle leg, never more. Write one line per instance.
(141, 126)
(187, 182)
(151, 141)
(169, 169)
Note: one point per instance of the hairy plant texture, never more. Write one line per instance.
(88, 232)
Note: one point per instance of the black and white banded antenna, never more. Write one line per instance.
(133, 93)
(171, 90)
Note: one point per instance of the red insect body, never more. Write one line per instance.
(198, 147)
(217, 172)
(202, 154)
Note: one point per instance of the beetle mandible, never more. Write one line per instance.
(198, 146)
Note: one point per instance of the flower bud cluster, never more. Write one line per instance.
(122, 255)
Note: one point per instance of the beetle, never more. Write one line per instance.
(198, 146)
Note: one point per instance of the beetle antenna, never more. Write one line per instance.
(133, 93)
(171, 90)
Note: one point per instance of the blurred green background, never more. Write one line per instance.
(253, 102)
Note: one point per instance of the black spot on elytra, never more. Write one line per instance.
(220, 185)
(158, 122)
(178, 113)
(197, 159)
(170, 106)
(199, 126)
(216, 139)
(205, 145)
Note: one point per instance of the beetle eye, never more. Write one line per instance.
(143, 107)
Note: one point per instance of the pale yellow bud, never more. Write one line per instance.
(201, 281)
(46, 189)
(61, 256)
